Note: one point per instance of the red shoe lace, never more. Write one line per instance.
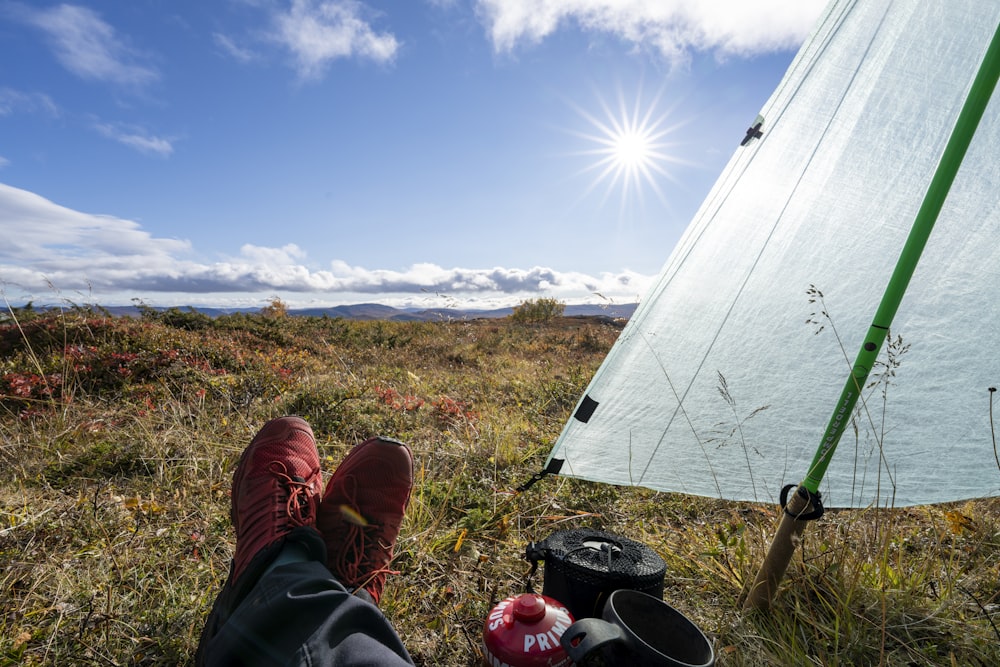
(301, 508)
(357, 564)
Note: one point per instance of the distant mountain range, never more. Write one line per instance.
(375, 311)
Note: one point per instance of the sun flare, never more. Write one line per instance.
(631, 151)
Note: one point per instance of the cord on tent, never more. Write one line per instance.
(814, 499)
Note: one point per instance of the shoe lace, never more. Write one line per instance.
(300, 504)
(359, 561)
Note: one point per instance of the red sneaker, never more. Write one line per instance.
(276, 487)
(362, 510)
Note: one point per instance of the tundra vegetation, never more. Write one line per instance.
(118, 438)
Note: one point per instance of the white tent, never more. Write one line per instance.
(724, 380)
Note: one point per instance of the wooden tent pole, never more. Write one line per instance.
(786, 538)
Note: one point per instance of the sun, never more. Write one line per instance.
(630, 149)
(633, 153)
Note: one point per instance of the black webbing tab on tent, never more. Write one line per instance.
(586, 409)
(553, 468)
(814, 499)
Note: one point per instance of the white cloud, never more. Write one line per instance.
(136, 138)
(427, 277)
(115, 260)
(45, 239)
(88, 46)
(240, 53)
(442, 4)
(318, 32)
(284, 256)
(16, 101)
(673, 28)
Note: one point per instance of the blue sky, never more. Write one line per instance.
(430, 153)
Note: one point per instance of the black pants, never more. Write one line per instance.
(298, 614)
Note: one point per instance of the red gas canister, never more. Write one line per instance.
(524, 631)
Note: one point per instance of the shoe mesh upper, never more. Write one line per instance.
(276, 487)
(362, 511)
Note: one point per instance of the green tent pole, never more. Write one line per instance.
(790, 528)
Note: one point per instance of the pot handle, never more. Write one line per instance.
(588, 635)
(533, 553)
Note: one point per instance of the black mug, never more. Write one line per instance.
(638, 629)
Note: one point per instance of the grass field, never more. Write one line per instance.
(118, 438)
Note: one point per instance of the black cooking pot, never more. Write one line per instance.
(584, 566)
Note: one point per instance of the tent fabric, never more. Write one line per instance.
(724, 380)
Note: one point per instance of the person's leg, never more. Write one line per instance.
(280, 605)
(298, 614)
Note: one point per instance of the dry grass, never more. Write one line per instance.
(118, 438)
